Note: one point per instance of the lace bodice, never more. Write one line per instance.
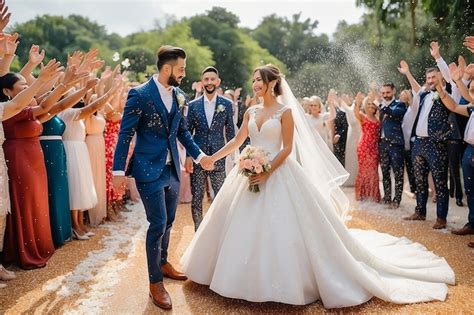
(269, 136)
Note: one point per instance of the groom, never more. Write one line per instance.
(152, 112)
(209, 118)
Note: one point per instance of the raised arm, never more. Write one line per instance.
(34, 60)
(97, 104)
(25, 97)
(442, 65)
(72, 99)
(8, 46)
(405, 70)
(448, 102)
(358, 103)
(457, 73)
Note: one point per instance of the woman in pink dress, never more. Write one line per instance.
(367, 180)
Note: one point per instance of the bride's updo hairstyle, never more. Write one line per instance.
(269, 73)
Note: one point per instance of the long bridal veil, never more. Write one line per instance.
(324, 170)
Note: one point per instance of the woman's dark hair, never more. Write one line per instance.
(169, 53)
(79, 104)
(270, 73)
(7, 82)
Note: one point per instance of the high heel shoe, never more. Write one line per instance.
(80, 237)
(6, 275)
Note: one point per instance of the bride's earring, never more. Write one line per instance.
(273, 90)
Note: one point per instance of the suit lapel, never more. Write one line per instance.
(215, 112)
(159, 105)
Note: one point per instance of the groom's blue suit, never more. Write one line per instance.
(156, 174)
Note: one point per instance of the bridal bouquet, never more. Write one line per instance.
(253, 161)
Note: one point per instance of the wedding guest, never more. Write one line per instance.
(431, 130)
(353, 138)
(82, 194)
(406, 97)
(28, 241)
(9, 109)
(391, 145)
(319, 120)
(467, 165)
(210, 121)
(367, 181)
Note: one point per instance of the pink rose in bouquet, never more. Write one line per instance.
(253, 161)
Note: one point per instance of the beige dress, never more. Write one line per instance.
(95, 126)
(4, 193)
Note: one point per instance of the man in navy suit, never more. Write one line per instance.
(153, 112)
(391, 145)
(210, 117)
(431, 131)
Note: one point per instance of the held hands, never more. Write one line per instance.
(207, 163)
(120, 183)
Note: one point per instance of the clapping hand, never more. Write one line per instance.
(469, 43)
(4, 15)
(8, 43)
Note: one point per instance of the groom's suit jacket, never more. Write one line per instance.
(211, 139)
(157, 131)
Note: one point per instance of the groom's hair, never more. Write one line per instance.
(169, 53)
(210, 69)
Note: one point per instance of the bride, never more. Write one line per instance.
(288, 242)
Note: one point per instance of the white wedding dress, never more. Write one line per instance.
(288, 244)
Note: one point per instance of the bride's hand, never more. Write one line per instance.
(259, 178)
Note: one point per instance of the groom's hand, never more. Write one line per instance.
(119, 183)
(207, 163)
(188, 165)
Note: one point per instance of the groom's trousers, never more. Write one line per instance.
(160, 199)
(198, 185)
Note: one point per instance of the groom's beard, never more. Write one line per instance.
(210, 89)
(172, 81)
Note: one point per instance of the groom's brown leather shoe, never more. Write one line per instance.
(415, 217)
(440, 224)
(160, 296)
(169, 272)
(465, 230)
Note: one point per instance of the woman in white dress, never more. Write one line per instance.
(318, 120)
(288, 243)
(353, 137)
(82, 193)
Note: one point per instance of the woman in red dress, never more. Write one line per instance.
(367, 180)
(28, 240)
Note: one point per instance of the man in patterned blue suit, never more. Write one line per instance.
(431, 132)
(210, 117)
(152, 112)
(391, 145)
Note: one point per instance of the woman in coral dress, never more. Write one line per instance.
(367, 181)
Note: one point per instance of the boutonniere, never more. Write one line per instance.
(435, 96)
(220, 108)
(181, 100)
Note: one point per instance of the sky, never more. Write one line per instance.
(126, 17)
